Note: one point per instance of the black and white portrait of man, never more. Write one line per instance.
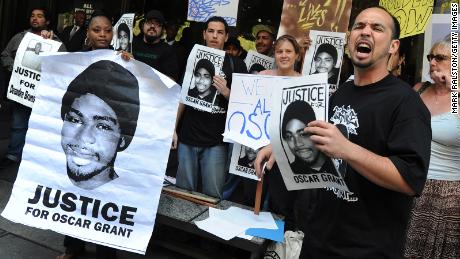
(100, 110)
(248, 159)
(203, 88)
(31, 57)
(325, 61)
(307, 158)
(124, 37)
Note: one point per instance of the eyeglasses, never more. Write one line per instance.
(438, 58)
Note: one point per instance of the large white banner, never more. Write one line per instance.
(302, 100)
(249, 109)
(325, 56)
(256, 62)
(198, 88)
(96, 150)
(123, 33)
(202, 10)
(27, 68)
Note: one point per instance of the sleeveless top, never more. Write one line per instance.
(445, 145)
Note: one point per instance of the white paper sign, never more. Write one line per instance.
(202, 10)
(256, 62)
(325, 56)
(249, 109)
(198, 90)
(438, 28)
(300, 101)
(27, 68)
(95, 155)
(242, 162)
(123, 33)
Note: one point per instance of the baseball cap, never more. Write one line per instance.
(155, 14)
(262, 27)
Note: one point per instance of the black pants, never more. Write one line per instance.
(76, 246)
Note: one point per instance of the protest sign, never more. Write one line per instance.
(302, 165)
(298, 17)
(438, 27)
(198, 90)
(256, 62)
(202, 10)
(413, 15)
(325, 55)
(87, 168)
(443, 6)
(249, 109)
(27, 68)
(123, 33)
(242, 162)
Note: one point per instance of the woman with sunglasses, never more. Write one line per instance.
(434, 227)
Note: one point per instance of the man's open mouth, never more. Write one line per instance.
(364, 47)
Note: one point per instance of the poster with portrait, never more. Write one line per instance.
(123, 33)
(202, 10)
(198, 90)
(242, 161)
(302, 165)
(25, 78)
(256, 62)
(298, 17)
(437, 29)
(86, 169)
(325, 55)
(249, 109)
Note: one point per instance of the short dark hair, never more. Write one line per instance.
(43, 9)
(113, 84)
(256, 67)
(206, 64)
(329, 49)
(80, 11)
(99, 13)
(124, 27)
(396, 28)
(299, 110)
(216, 19)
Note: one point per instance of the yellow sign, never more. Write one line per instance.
(413, 15)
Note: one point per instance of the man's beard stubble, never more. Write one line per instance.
(85, 177)
(151, 39)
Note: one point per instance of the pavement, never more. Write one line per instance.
(18, 241)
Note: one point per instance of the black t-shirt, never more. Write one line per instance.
(160, 56)
(389, 119)
(204, 129)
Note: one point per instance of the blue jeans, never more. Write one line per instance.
(209, 162)
(19, 126)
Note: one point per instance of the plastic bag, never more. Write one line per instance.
(289, 249)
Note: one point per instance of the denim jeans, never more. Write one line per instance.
(209, 162)
(19, 126)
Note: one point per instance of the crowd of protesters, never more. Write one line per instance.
(400, 162)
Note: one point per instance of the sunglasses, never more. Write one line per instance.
(438, 58)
